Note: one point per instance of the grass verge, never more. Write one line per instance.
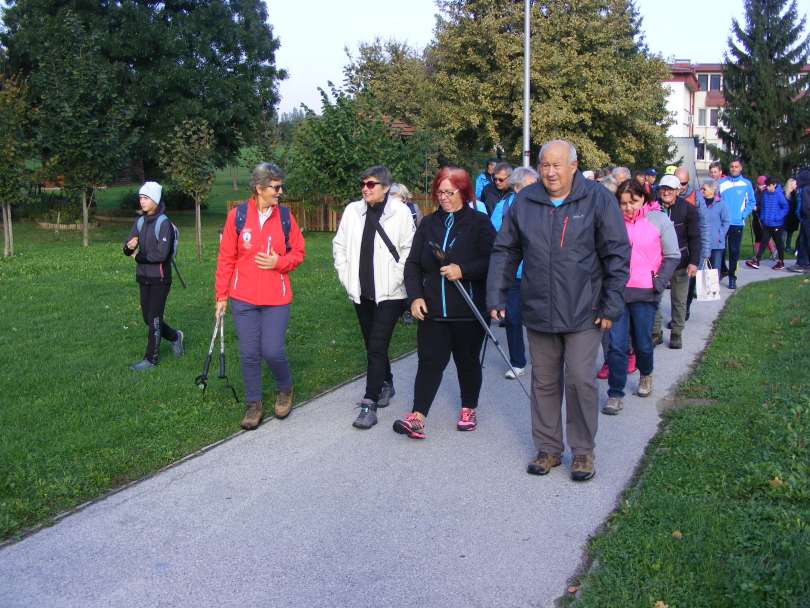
(720, 514)
(75, 422)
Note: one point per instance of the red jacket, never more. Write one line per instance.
(239, 277)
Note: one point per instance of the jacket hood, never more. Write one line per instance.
(803, 178)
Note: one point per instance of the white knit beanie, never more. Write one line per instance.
(152, 190)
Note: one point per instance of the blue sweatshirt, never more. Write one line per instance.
(737, 194)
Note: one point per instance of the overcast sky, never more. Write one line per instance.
(314, 33)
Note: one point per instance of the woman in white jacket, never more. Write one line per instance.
(370, 247)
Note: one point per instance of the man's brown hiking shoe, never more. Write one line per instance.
(582, 467)
(253, 415)
(543, 463)
(645, 386)
(284, 403)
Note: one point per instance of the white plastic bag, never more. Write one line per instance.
(708, 284)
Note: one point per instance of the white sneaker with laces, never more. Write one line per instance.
(510, 375)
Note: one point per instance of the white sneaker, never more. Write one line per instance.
(510, 375)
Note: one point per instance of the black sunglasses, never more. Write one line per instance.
(369, 184)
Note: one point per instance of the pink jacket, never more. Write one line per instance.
(654, 254)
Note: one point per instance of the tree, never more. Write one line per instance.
(84, 127)
(178, 60)
(15, 151)
(329, 152)
(767, 106)
(187, 158)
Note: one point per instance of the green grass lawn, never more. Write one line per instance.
(720, 515)
(75, 422)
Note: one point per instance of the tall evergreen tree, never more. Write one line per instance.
(767, 94)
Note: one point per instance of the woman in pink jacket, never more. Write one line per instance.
(261, 244)
(653, 258)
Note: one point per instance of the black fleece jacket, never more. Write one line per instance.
(153, 260)
(466, 237)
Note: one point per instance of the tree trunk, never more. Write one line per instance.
(6, 230)
(198, 228)
(85, 220)
(10, 230)
(233, 178)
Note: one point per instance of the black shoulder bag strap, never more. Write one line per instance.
(382, 234)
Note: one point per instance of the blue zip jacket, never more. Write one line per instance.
(716, 222)
(497, 219)
(774, 208)
(737, 194)
(481, 182)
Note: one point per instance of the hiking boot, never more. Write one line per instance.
(582, 467)
(511, 375)
(177, 346)
(367, 417)
(732, 282)
(386, 392)
(614, 406)
(413, 425)
(283, 404)
(467, 420)
(752, 263)
(645, 386)
(675, 341)
(780, 265)
(602, 374)
(543, 463)
(631, 363)
(142, 365)
(657, 339)
(253, 415)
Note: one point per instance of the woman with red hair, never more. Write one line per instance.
(451, 245)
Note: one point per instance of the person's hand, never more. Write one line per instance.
(419, 309)
(604, 324)
(267, 261)
(451, 272)
(219, 308)
(497, 315)
(132, 243)
(691, 270)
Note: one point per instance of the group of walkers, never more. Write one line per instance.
(581, 264)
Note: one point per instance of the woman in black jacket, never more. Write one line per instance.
(452, 244)
(151, 242)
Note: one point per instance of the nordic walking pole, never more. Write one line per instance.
(439, 253)
(202, 380)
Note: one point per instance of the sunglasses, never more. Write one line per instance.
(501, 179)
(684, 184)
(369, 184)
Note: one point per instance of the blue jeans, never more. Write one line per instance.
(716, 258)
(638, 317)
(514, 327)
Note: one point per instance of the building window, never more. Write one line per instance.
(702, 118)
(701, 151)
(703, 82)
(714, 84)
(713, 117)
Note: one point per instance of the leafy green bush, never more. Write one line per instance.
(53, 207)
(175, 200)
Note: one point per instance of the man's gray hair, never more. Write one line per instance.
(380, 173)
(503, 167)
(621, 174)
(572, 151)
(709, 183)
(263, 174)
(609, 182)
(520, 175)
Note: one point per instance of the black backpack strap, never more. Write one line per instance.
(383, 236)
(241, 217)
(285, 226)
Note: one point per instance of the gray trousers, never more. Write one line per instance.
(678, 291)
(564, 362)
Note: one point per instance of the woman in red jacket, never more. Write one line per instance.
(261, 244)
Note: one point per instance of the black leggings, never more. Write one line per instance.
(153, 303)
(778, 236)
(436, 341)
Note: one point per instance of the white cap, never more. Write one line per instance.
(152, 190)
(670, 181)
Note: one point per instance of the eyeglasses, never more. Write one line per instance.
(276, 189)
(369, 184)
(447, 193)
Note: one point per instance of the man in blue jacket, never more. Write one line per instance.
(485, 178)
(802, 264)
(571, 237)
(737, 194)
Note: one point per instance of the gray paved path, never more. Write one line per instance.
(309, 512)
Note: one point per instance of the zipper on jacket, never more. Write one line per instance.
(565, 225)
(448, 223)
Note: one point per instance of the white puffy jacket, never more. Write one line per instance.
(397, 222)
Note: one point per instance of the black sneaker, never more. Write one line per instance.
(799, 269)
(732, 282)
(752, 263)
(367, 417)
(386, 392)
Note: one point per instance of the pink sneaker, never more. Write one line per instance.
(411, 425)
(602, 374)
(631, 363)
(467, 420)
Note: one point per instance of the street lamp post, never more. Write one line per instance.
(526, 82)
